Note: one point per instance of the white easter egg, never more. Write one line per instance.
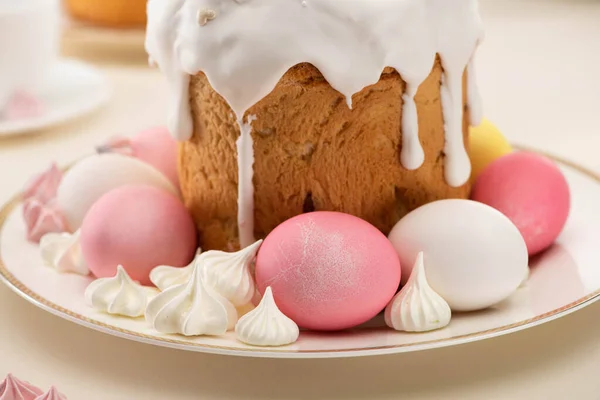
(94, 176)
(475, 256)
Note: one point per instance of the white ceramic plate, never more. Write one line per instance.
(564, 279)
(74, 89)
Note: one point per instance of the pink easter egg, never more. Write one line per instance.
(328, 271)
(139, 227)
(158, 148)
(531, 191)
(155, 147)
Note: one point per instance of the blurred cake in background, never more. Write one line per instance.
(112, 13)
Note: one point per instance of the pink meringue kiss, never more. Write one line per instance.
(531, 191)
(22, 105)
(44, 186)
(328, 271)
(12, 388)
(41, 218)
(52, 394)
(154, 146)
(139, 227)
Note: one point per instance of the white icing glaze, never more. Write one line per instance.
(165, 276)
(247, 46)
(266, 325)
(119, 295)
(474, 98)
(191, 309)
(229, 273)
(62, 252)
(417, 308)
(245, 157)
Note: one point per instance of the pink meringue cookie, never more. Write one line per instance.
(12, 388)
(41, 218)
(52, 394)
(23, 105)
(44, 186)
(154, 146)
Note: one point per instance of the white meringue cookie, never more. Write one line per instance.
(62, 252)
(164, 276)
(266, 325)
(229, 273)
(119, 295)
(417, 308)
(191, 309)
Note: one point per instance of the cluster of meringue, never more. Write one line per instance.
(417, 307)
(12, 388)
(205, 298)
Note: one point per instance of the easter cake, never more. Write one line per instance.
(288, 107)
(313, 175)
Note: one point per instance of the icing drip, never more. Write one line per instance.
(412, 156)
(457, 164)
(245, 160)
(474, 98)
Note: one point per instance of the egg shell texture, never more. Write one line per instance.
(530, 190)
(139, 227)
(475, 256)
(328, 271)
(94, 176)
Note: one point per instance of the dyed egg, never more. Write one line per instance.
(154, 146)
(158, 148)
(96, 175)
(531, 191)
(487, 144)
(139, 227)
(328, 271)
(475, 256)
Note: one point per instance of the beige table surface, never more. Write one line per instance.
(540, 78)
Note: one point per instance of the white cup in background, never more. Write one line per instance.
(29, 44)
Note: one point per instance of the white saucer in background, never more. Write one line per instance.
(74, 89)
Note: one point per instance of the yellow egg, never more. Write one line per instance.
(487, 145)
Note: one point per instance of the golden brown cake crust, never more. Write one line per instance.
(116, 13)
(313, 153)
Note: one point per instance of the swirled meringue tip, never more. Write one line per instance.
(12, 388)
(52, 394)
(166, 276)
(266, 325)
(41, 218)
(119, 295)
(229, 274)
(417, 307)
(62, 251)
(191, 309)
(44, 186)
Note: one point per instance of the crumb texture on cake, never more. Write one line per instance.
(312, 153)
